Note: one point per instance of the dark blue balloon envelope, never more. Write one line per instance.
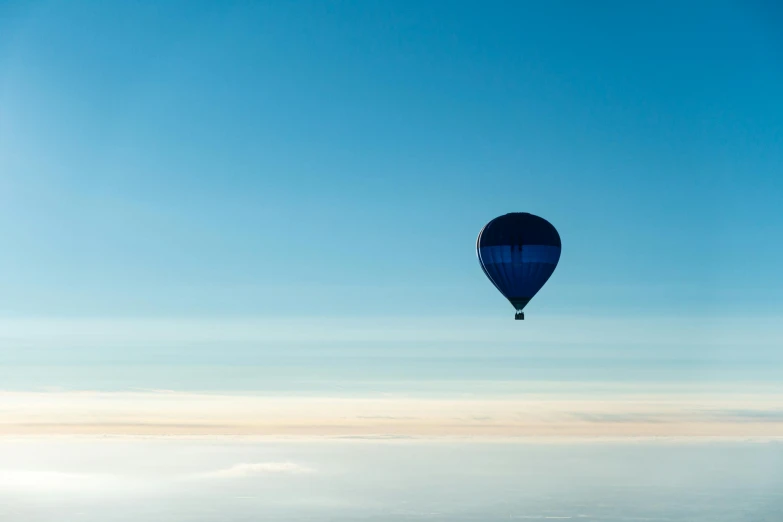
(518, 252)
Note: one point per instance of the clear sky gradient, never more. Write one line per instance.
(293, 190)
(305, 158)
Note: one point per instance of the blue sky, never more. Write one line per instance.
(295, 158)
(329, 167)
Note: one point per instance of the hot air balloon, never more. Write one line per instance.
(518, 253)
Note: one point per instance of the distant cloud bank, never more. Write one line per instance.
(179, 413)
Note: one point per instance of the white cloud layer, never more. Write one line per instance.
(254, 469)
(52, 481)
